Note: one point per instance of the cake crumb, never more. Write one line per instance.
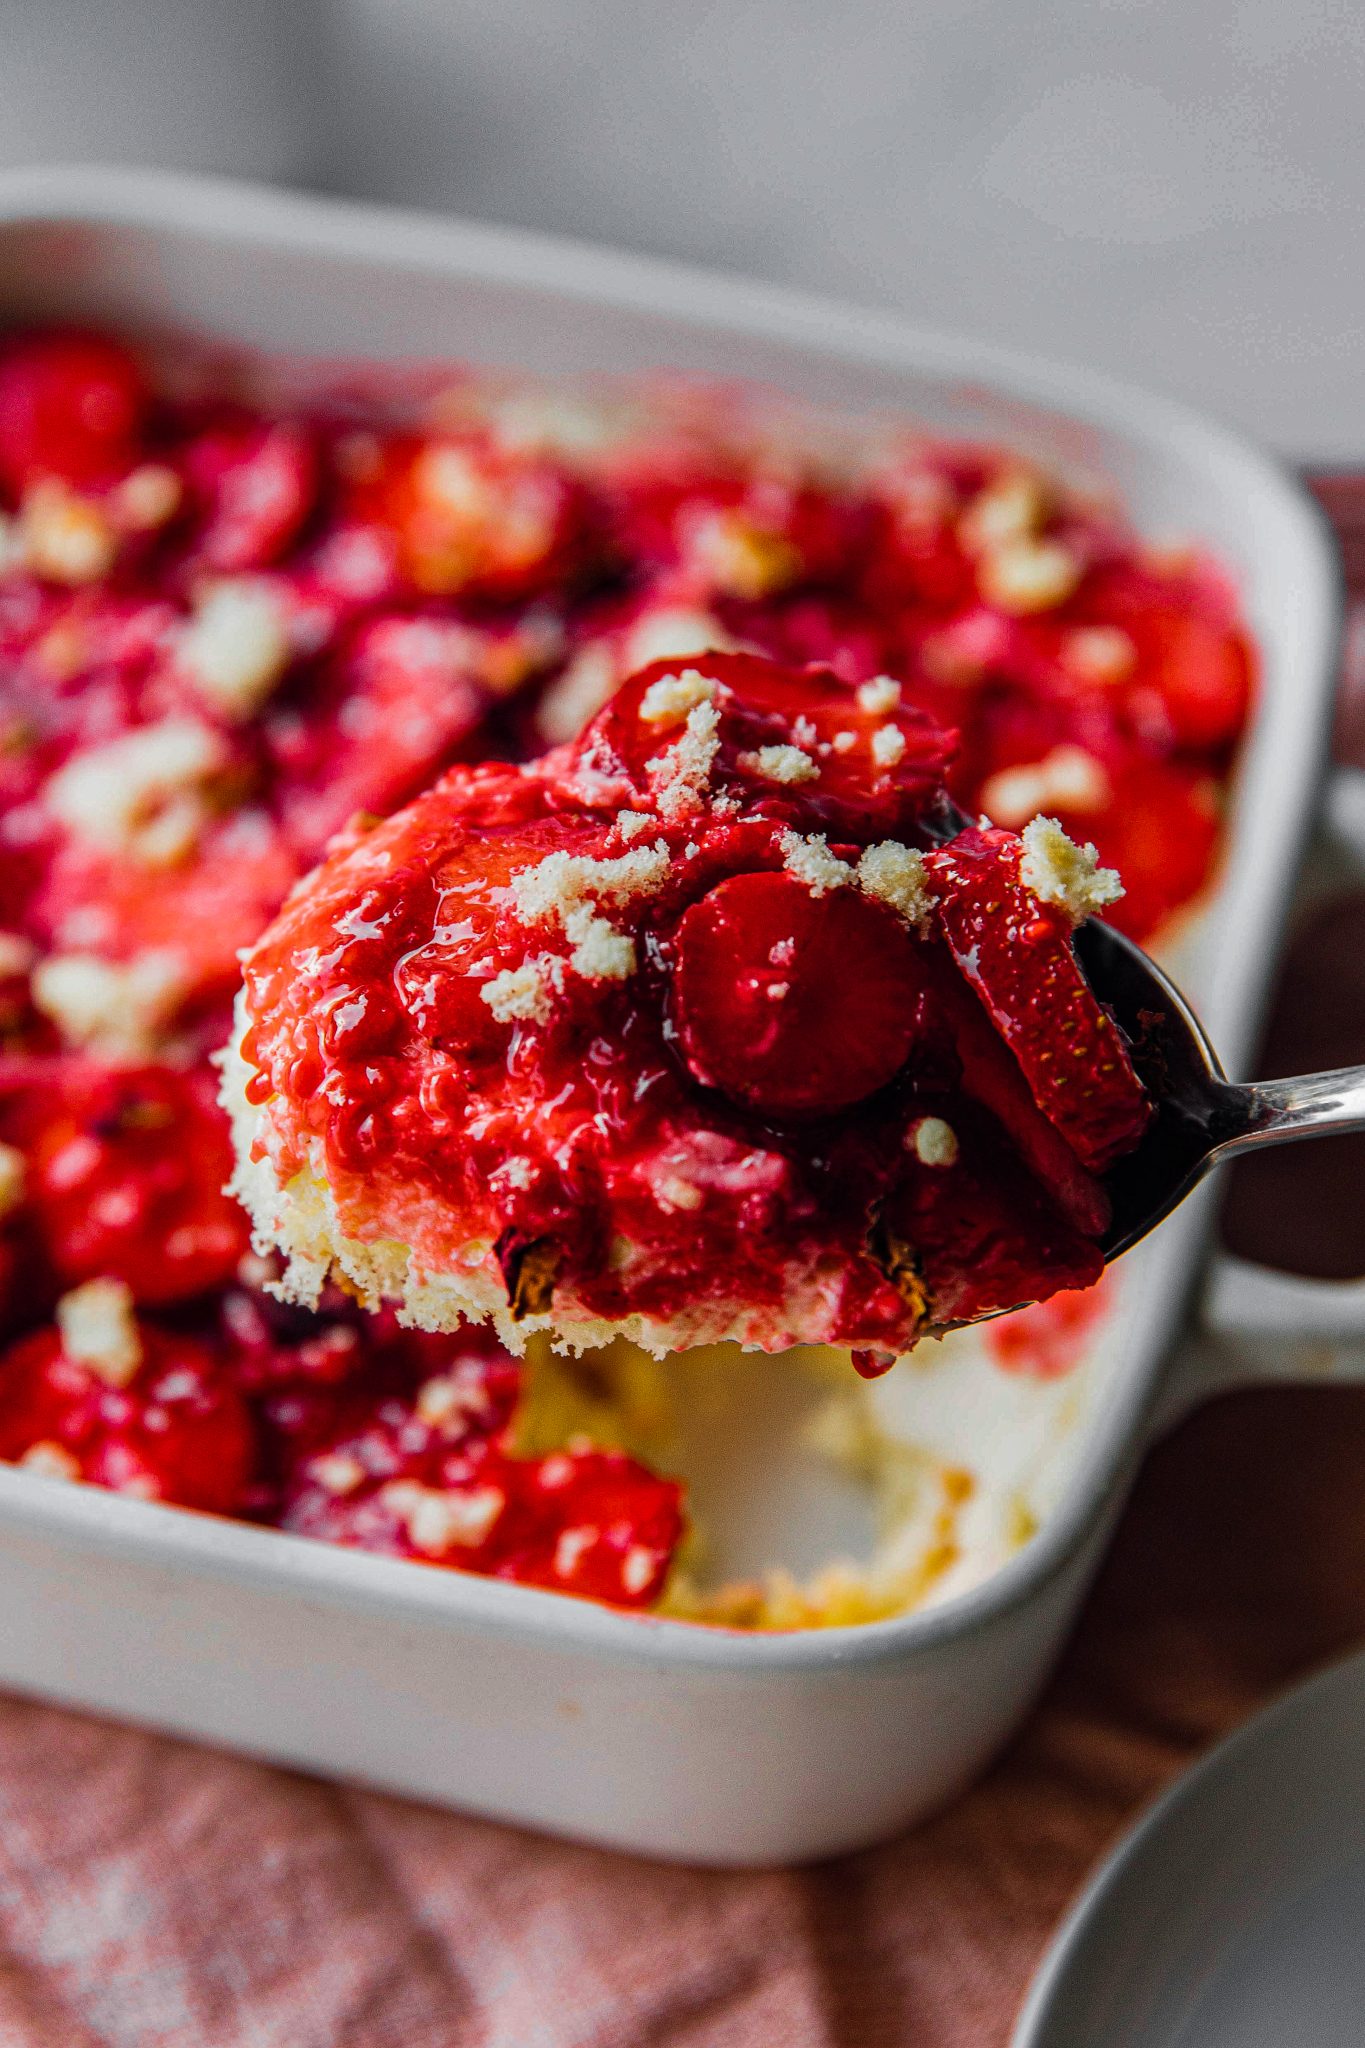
(235, 648)
(896, 875)
(888, 745)
(562, 883)
(435, 1520)
(99, 1330)
(1067, 779)
(784, 764)
(1027, 576)
(682, 774)
(668, 699)
(600, 952)
(807, 856)
(117, 796)
(525, 994)
(879, 696)
(934, 1142)
(110, 1007)
(1059, 871)
(53, 1460)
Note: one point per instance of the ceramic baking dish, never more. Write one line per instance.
(654, 1735)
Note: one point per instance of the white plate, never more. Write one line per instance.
(1233, 1916)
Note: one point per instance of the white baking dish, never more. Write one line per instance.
(654, 1735)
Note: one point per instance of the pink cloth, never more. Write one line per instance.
(154, 1895)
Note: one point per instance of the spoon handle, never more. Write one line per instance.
(1304, 1106)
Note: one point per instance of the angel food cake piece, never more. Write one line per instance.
(693, 1029)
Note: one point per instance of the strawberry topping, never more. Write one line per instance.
(172, 1427)
(70, 406)
(795, 1004)
(1015, 949)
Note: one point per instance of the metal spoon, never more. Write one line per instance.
(1202, 1117)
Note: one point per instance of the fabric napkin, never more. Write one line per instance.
(156, 1895)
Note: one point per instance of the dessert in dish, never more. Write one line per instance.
(236, 610)
(688, 1032)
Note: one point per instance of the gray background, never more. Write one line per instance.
(1171, 190)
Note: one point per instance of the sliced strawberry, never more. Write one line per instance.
(176, 1431)
(255, 482)
(866, 774)
(1016, 952)
(126, 1173)
(795, 1004)
(981, 1234)
(70, 406)
(590, 1522)
(381, 718)
(991, 1076)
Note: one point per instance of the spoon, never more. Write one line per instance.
(1202, 1117)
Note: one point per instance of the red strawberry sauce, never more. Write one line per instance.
(410, 585)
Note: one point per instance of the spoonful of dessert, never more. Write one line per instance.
(719, 1022)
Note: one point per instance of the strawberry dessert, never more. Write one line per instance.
(677, 1005)
(705, 1026)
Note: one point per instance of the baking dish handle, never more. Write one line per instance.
(1259, 1327)
(1256, 1325)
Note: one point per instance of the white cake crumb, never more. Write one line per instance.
(1027, 576)
(1099, 654)
(450, 478)
(879, 696)
(1061, 872)
(12, 1178)
(670, 632)
(525, 994)
(740, 557)
(147, 497)
(638, 1567)
(517, 1172)
(1011, 508)
(114, 795)
(570, 1548)
(66, 538)
(53, 1460)
(99, 1330)
(807, 856)
(600, 952)
(844, 742)
(933, 1142)
(888, 745)
(681, 774)
(562, 883)
(780, 764)
(336, 1472)
(436, 1520)
(236, 647)
(1067, 779)
(896, 875)
(112, 1007)
(630, 824)
(446, 1399)
(668, 699)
